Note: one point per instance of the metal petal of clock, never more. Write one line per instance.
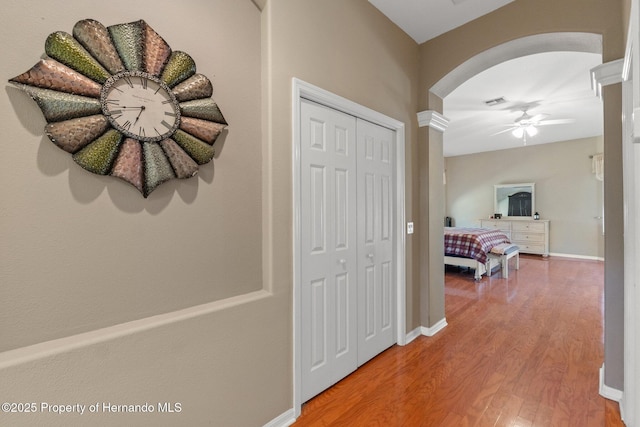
(124, 104)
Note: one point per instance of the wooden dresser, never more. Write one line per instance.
(531, 236)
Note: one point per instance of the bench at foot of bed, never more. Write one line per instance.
(504, 254)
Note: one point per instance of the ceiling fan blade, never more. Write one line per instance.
(555, 122)
(520, 107)
(538, 117)
(511, 128)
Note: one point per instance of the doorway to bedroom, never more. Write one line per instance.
(532, 119)
(577, 230)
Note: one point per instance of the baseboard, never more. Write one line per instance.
(609, 392)
(431, 331)
(413, 335)
(622, 417)
(283, 420)
(587, 257)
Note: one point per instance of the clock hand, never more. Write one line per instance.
(117, 108)
(138, 116)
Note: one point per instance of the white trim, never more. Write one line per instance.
(547, 42)
(630, 402)
(413, 335)
(628, 55)
(609, 392)
(283, 420)
(71, 343)
(301, 89)
(606, 74)
(433, 119)
(586, 257)
(431, 331)
(631, 66)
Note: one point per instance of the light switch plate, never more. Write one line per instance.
(409, 228)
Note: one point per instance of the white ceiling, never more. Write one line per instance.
(556, 84)
(426, 19)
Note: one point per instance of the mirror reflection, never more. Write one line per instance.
(514, 200)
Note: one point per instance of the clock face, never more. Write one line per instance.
(140, 106)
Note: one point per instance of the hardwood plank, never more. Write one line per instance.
(612, 414)
(521, 422)
(528, 411)
(510, 407)
(523, 351)
(544, 414)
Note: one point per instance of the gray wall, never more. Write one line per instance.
(567, 193)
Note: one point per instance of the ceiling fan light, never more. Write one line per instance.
(531, 130)
(518, 132)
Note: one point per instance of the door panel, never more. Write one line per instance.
(317, 208)
(328, 243)
(369, 302)
(346, 225)
(342, 315)
(318, 323)
(375, 240)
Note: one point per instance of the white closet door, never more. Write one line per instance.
(328, 246)
(376, 266)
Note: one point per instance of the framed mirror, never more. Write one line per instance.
(514, 200)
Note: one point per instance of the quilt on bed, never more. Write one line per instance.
(472, 243)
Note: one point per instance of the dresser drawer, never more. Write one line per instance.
(496, 225)
(527, 226)
(532, 238)
(531, 248)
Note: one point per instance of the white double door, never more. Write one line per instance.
(347, 240)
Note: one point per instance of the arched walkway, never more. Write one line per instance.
(540, 43)
(549, 42)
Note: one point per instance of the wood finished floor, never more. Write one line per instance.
(522, 351)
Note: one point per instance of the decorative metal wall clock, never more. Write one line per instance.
(124, 104)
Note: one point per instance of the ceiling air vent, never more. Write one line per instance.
(495, 101)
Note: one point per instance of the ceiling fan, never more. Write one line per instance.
(526, 125)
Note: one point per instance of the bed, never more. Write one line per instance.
(471, 247)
